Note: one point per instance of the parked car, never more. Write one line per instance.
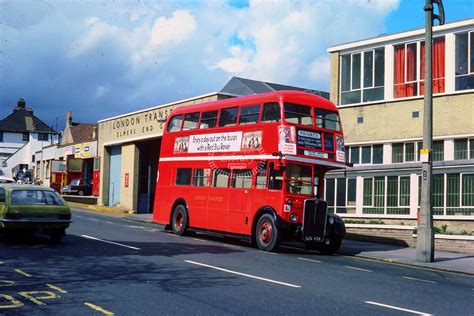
(29, 208)
(5, 179)
(24, 177)
(79, 187)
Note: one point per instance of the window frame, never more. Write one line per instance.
(469, 66)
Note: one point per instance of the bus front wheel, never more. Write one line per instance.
(179, 220)
(330, 245)
(266, 233)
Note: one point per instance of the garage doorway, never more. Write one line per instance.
(149, 152)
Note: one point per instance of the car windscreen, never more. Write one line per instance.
(34, 197)
(75, 182)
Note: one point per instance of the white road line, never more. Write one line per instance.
(110, 242)
(23, 273)
(359, 269)
(268, 252)
(398, 308)
(310, 260)
(242, 274)
(415, 279)
(93, 219)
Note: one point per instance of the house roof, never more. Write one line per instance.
(22, 120)
(242, 86)
(81, 132)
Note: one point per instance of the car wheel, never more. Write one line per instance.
(179, 220)
(330, 245)
(266, 233)
(81, 193)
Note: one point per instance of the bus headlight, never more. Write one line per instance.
(293, 217)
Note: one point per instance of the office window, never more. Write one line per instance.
(355, 154)
(404, 198)
(464, 61)
(377, 154)
(409, 152)
(208, 119)
(468, 190)
(366, 154)
(43, 136)
(367, 66)
(351, 191)
(190, 121)
(367, 197)
(409, 68)
(397, 153)
(228, 117)
(330, 190)
(33, 158)
(471, 148)
(249, 114)
(452, 189)
(26, 137)
(1, 137)
(460, 149)
(183, 176)
(341, 196)
(438, 150)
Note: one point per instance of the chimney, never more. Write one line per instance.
(68, 119)
(21, 104)
(94, 132)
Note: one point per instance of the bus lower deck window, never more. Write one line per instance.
(220, 178)
(261, 182)
(201, 177)
(183, 176)
(242, 179)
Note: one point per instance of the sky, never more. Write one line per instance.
(104, 58)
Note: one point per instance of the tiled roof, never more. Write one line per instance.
(23, 121)
(82, 132)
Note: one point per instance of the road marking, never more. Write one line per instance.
(110, 223)
(99, 309)
(36, 299)
(359, 269)
(242, 274)
(60, 290)
(110, 242)
(398, 308)
(198, 239)
(170, 234)
(1, 263)
(14, 302)
(268, 252)
(93, 219)
(310, 260)
(23, 273)
(415, 279)
(7, 283)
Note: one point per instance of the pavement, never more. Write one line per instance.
(398, 255)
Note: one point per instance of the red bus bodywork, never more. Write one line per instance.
(272, 166)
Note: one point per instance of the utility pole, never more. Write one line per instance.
(425, 233)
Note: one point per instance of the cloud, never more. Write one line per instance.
(108, 58)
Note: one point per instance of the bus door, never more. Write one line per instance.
(240, 197)
(218, 200)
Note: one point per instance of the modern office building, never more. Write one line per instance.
(378, 86)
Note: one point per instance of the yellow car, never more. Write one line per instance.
(32, 208)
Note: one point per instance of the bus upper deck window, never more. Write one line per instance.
(249, 114)
(327, 119)
(228, 117)
(298, 114)
(190, 121)
(175, 123)
(271, 112)
(208, 119)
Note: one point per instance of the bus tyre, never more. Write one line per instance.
(266, 233)
(330, 245)
(179, 220)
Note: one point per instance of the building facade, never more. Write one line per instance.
(22, 134)
(378, 86)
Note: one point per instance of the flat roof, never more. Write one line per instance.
(399, 35)
(167, 104)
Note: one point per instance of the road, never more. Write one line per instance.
(109, 265)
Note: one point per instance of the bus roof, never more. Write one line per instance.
(299, 97)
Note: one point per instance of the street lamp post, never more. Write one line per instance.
(425, 233)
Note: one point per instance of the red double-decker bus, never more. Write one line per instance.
(252, 166)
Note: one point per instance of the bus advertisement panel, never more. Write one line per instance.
(252, 166)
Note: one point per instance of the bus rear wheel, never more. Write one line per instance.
(179, 220)
(266, 233)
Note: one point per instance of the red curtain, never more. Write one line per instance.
(437, 64)
(411, 70)
(399, 71)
